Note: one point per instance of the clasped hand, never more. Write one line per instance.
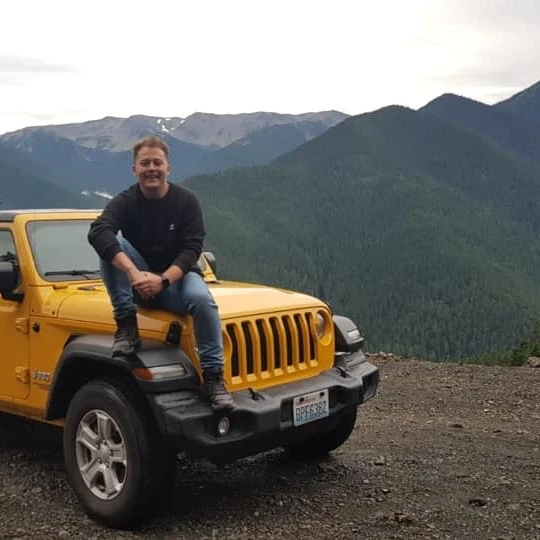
(147, 284)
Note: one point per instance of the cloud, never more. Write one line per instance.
(17, 119)
(267, 55)
(513, 70)
(486, 49)
(488, 14)
(20, 64)
(10, 81)
(490, 80)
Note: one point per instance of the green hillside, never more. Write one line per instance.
(23, 186)
(400, 139)
(424, 233)
(525, 104)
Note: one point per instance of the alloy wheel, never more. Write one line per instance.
(101, 454)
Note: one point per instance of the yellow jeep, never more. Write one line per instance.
(296, 371)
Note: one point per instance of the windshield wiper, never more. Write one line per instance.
(74, 272)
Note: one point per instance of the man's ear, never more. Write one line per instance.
(133, 170)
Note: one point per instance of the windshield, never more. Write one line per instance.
(61, 250)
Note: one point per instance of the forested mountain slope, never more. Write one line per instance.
(424, 233)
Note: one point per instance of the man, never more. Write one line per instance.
(154, 261)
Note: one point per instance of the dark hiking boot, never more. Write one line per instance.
(220, 397)
(126, 338)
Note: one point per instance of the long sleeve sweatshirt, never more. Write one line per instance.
(164, 231)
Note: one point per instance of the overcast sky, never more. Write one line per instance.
(70, 61)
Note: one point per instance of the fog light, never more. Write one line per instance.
(224, 426)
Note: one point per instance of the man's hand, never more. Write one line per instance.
(125, 264)
(147, 284)
(134, 275)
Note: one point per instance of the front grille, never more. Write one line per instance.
(272, 346)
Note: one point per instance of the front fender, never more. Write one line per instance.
(89, 357)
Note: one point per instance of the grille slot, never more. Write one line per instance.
(291, 350)
(261, 330)
(276, 341)
(235, 363)
(246, 332)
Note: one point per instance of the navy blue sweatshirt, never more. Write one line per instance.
(164, 231)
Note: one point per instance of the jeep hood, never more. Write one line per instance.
(91, 303)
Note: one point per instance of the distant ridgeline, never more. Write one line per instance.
(422, 226)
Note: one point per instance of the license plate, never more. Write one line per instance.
(310, 407)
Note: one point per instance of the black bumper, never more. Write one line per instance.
(262, 420)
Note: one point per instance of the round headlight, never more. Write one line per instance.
(320, 324)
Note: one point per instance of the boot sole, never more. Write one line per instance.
(136, 345)
(218, 408)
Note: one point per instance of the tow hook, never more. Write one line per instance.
(339, 364)
(255, 396)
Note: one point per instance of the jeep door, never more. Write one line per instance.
(14, 339)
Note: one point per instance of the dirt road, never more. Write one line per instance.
(444, 451)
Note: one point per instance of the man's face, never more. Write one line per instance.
(152, 170)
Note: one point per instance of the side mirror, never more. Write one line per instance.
(209, 256)
(9, 279)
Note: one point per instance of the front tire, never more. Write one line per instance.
(320, 445)
(113, 456)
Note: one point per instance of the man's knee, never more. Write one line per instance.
(196, 292)
(200, 298)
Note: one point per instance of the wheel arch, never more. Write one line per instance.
(88, 357)
(78, 365)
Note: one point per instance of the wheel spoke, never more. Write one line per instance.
(88, 438)
(118, 453)
(104, 426)
(92, 469)
(112, 485)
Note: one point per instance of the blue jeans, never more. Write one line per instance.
(190, 296)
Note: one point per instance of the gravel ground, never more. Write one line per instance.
(443, 451)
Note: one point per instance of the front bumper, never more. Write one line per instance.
(262, 420)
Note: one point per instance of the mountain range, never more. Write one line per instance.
(422, 225)
(96, 155)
